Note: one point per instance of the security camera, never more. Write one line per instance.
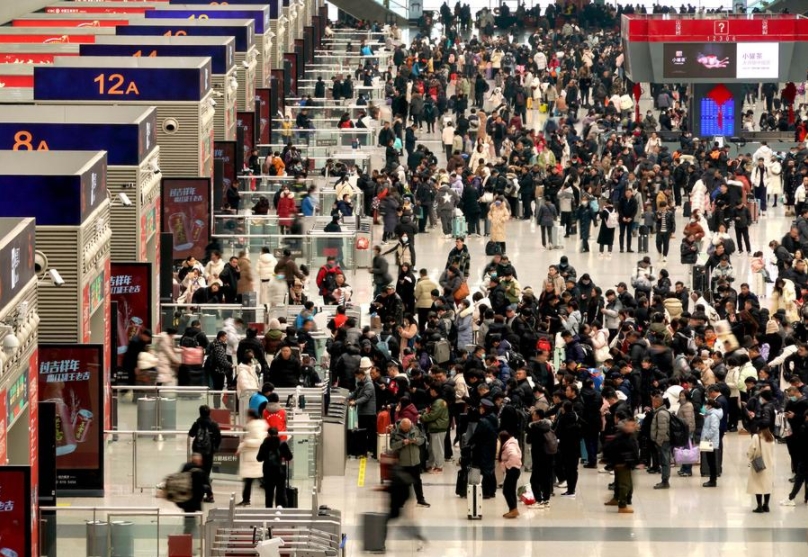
(218, 93)
(124, 199)
(10, 343)
(153, 164)
(56, 277)
(245, 63)
(234, 83)
(212, 102)
(40, 264)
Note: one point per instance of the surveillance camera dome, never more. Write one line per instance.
(10, 343)
(40, 264)
(171, 125)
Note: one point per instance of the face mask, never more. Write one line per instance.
(489, 380)
(792, 398)
(404, 239)
(498, 203)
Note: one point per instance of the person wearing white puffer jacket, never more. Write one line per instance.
(700, 199)
(266, 272)
(249, 468)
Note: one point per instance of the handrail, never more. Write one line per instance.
(119, 509)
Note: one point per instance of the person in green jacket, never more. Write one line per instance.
(406, 441)
(436, 418)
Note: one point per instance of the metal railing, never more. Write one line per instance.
(115, 531)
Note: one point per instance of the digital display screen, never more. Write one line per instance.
(243, 33)
(258, 15)
(186, 214)
(59, 83)
(72, 377)
(721, 61)
(717, 119)
(709, 60)
(130, 286)
(219, 55)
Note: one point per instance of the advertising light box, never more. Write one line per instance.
(720, 61)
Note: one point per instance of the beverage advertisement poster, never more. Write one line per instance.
(130, 286)
(226, 152)
(246, 120)
(71, 376)
(33, 439)
(262, 96)
(186, 214)
(15, 511)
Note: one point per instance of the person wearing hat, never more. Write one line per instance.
(363, 398)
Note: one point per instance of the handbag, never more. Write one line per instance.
(686, 455)
(706, 447)
(353, 418)
(462, 292)
(543, 108)
(758, 465)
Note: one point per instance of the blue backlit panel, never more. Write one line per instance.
(710, 124)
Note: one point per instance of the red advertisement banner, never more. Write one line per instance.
(72, 377)
(33, 439)
(262, 96)
(246, 120)
(15, 511)
(186, 214)
(130, 286)
(3, 428)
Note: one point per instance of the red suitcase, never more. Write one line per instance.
(754, 209)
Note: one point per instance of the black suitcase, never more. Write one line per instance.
(462, 482)
(701, 280)
(357, 442)
(493, 248)
(374, 532)
(686, 209)
(291, 492)
(642, 243)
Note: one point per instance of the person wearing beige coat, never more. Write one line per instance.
(423, 297)
(246, 280)
(760, 483)
(499, 214)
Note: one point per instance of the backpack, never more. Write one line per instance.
(613, 220)
(474, 123)
(203, 442)
(520, 98)
(493, 248)
(679, 432)
(544, 343)
(384, 347)
(328, 283)
(179, 487)
(550, 443)
(589, 355)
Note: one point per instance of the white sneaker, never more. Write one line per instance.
(788, 503)
(664, 259)
(561, 485)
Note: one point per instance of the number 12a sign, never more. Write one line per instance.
(115, 84)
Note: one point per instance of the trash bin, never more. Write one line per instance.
(146, 414)
(122, 539)
(97, 538)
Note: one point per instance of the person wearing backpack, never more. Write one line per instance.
(661, 437)
(193, 345)
(275, 455)
(327, 279)
(206, 437)
(198, 482)
(543, 449)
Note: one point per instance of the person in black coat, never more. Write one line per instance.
(275, 454)
(207, 438)
(198, 486)
(568, 430)
(623, 453)
(284, 372)
(251, 342)
(592, 402)
(483, 444)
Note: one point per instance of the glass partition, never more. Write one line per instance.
(210, 316)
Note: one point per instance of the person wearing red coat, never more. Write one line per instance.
(286, 210)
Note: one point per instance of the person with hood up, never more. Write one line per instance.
(275, 455)
(543, 448)
(249, 467)
(265, 269)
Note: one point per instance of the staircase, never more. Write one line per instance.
(383, 11)
(798, 7)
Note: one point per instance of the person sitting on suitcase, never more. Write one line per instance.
(275, 454)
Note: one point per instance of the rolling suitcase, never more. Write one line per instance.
(556, 233)
(459, 227)
(291, 492)
(474, 501)
(357, 442)
(754, 210)
(642, 240)
(374, 532)
(686, 209)
(701, 280)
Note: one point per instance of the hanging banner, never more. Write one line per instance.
(72, 377)
(33, 448)
(186, 214)
(3, 428)
(15, 511)
(131, 286)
